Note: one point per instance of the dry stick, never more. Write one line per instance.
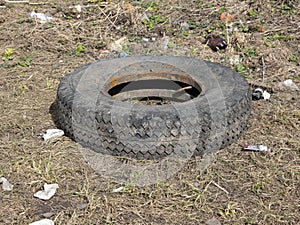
(270, 31)
(116, 17)
(107, 17)
(263, 69)
(7, 1)
(25, 2)
(223, 189)
(38, 3)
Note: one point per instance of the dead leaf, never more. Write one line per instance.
(240, 38)
(226, 17)
(261, 29)
(128, 7)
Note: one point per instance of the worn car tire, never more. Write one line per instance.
(202, 124)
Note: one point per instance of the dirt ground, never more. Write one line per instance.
(237, 188)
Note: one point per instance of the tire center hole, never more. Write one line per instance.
(154, 91)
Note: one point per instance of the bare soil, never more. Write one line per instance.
(237, 188)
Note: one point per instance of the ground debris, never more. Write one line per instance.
(259, 93)
(117, 45)
(6, 186)
(213, 221)
(289, 84)
(216, 42)
(41, 17)
(48, 192)
(43, 222)
(226, 17)
(52, 133)
(117, 189)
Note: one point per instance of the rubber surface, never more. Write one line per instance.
(206, 123)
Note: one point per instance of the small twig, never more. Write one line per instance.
(107, 17)
(25, 2)
(267, 32)
(263, 69)
(184, 88)
(223, 189)
(38, 3)
(7, 1)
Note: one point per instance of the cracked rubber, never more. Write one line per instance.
(211, 121)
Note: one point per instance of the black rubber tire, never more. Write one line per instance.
(207, 123)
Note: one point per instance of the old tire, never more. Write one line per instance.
(202, 124)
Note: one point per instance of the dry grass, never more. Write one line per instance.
(238, 188)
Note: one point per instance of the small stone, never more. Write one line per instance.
(185, 26)
(48, 214)
(289, 84)
(123, 54)
(82, 206)
(213, 221)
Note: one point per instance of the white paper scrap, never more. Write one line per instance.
(52, 133)
(41, 17)
(47, 193)
(118, 189)
(6, 186)
(266, 95)
(43, 222)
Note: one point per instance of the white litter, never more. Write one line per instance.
(259, 93)
(232, 28)
(266, 95)
(256, 148)
(52, 133)
(78, 8)
(41, 17)
(49, 191)
(43, 222)
(6, 186)
(235, 60)
(118, 189)
(289, 84)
